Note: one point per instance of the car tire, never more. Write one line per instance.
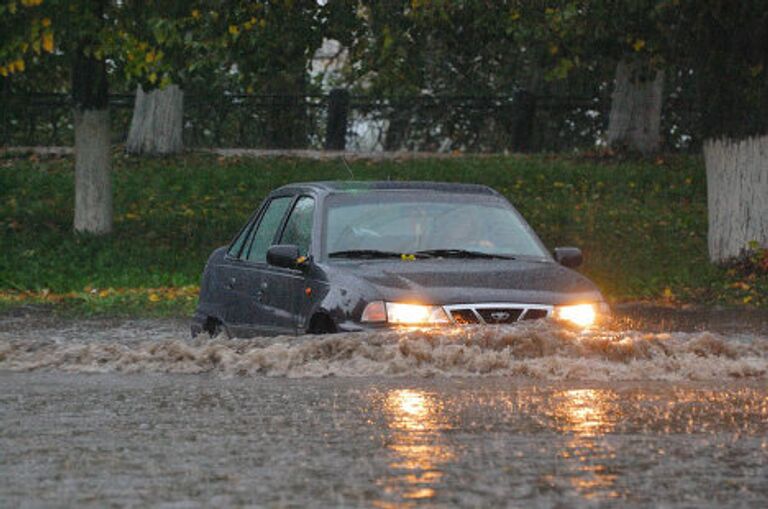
(321, 324)
(215, 328)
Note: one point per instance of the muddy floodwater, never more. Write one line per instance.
(655, 411)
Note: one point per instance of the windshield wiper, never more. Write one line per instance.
(461, 253)
(364, 253)
(427, 253)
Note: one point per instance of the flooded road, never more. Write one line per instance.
(127, 412)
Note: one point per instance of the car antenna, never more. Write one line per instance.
(351, 175)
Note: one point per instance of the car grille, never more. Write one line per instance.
(468, 314)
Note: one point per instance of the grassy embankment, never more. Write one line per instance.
(642, 225)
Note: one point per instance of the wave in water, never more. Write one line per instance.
(538, 350)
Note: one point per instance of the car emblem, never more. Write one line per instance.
(500, 316)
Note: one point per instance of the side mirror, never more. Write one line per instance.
(568, 256)
(286, 256)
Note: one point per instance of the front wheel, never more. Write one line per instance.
(321, 324)
(215, 328)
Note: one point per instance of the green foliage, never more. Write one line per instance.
(159, 42)
(45, 33)
(470, 48)
(402, 47)
(27, 35)
(642, 225)
(586, 34)
(725, 45)
(487, 48)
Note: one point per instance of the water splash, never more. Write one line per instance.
(539, 350)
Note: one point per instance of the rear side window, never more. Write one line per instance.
(262, 236)
(237, 245)
(298, 228)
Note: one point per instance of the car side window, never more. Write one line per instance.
(237, 245)
(262, 236)
(244, 237)
(298, 228)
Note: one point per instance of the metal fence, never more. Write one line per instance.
(519, 122)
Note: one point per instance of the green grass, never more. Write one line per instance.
(642, 225)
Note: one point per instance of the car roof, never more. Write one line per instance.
(353, 186)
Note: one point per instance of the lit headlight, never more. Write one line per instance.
(411, 314)
(582, 315)
(404, 314)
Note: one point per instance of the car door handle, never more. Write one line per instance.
(231, 283)
(261, 294)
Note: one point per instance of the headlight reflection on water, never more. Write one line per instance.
(419, 449)
(588, 414)
(578, 442)
(411, 408)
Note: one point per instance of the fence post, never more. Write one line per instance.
(336, 128)
(4, 106)
(523, 112)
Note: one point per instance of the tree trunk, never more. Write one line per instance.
(737, 195)
(93, 181)
(635, 118)
(157, 123)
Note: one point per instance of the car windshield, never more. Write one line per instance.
(386, 224)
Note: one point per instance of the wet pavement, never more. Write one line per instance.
(133, 413)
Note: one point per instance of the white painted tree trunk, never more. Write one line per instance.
(157, 123)
(93, 180)
(635, 119)
(737, 195)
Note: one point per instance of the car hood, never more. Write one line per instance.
(455, 281)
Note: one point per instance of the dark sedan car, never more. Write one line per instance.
(349, 256)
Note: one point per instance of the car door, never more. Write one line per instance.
(244, 275)
(283, 288)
